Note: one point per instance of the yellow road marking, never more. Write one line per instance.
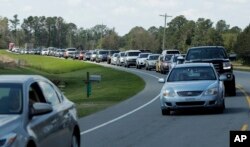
(245, 93)
(240, 87)
(244, 127)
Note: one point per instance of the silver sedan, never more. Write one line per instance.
(192, 86)
(34, 113)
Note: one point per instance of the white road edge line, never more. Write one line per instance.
(120, 117)
(145, 73)
(126, 114)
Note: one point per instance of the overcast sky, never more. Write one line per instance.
(123, 15)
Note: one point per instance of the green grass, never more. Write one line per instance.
(114, 87)
(49, 64)
(239, 66)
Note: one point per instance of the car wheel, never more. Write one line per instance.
(221, 108)
(165, 112)
(230, 87)
(74, 141)
(232, 91)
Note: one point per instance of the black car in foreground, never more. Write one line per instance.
(218, 57)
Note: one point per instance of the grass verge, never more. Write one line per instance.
(239, 66)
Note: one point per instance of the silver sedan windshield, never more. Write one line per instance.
(191, 74)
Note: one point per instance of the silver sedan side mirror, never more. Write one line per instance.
(222, 78)
(161, 80)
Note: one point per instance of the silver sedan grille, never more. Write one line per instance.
(189, 93)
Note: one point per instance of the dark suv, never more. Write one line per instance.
(218, 56)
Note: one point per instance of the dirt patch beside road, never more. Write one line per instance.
(6, 61)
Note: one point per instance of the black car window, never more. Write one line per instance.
(167, 57)
(175, 58)
(206, 53)
(153, 57)
(49, 93)
(133, 53)
(172, 52)
(71, 49)
(103, 52)
(36, 94)
(143, 55)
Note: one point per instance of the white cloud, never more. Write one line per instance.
(73, 2)
(3, 1)
(27, 9)
(159, 3)
(190, 14)
(124, 10)
(237, 1)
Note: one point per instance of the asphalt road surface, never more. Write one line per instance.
(137, 122)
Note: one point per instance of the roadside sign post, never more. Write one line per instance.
(88, 85)
(91, 78)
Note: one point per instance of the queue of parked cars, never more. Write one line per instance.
(137, 58)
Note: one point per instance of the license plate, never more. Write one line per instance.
(190, 99)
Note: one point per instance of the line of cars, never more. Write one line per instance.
(150, 61)
(213, 57)
(201, 82)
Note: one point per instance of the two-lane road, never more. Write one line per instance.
(137, 122)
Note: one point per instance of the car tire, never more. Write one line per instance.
(74, 141)
(230, 87)
(165, 112)
(221, 108)
(232, 91)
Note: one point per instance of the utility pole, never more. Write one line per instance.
(164, 33)
(101, 34)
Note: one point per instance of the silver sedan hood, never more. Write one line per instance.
(189, 85)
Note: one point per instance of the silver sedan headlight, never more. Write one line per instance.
(169, 93)
(211, 91)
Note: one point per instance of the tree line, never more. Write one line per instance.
(180, 33)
